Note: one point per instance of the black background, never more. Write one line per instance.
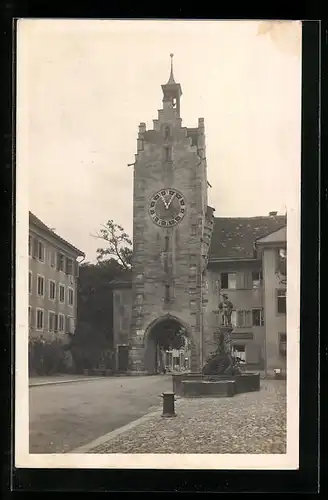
(304, 480)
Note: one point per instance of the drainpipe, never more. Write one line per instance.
(201, 322)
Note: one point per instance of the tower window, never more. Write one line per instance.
(167, 132)
(166, 248)
(167, 154)
(167, 293)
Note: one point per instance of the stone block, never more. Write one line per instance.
(207, 388)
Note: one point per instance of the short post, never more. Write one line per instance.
(168, 404)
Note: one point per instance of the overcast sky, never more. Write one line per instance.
(86, 85)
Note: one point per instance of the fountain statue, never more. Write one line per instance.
(221, 361)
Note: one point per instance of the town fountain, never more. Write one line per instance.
(221, 374)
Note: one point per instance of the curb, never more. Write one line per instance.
(57, 382)
(113, 434)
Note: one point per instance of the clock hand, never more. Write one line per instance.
(169, 203)
(163, 200)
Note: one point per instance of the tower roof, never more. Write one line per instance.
(172, 88)
(171, 79)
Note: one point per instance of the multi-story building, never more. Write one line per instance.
(53, 270)
(235, 268)
(272, 249)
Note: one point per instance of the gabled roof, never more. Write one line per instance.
(279, 236)
(234, 237)
(34, 220)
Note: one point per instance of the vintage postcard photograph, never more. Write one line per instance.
(158, 244)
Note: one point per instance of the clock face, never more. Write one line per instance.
(167, 207)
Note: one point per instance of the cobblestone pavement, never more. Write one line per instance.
(247, 423)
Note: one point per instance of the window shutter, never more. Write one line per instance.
(35, 248)
(248, 318)
(248, 280)
(240, 318)
(56, 323)
(32, 317)
(240, 280)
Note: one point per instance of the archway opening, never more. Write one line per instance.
(167, 347)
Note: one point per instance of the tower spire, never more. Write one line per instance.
(171, 79)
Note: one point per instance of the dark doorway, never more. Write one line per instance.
(122, 358)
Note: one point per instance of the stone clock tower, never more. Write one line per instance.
(170, 237)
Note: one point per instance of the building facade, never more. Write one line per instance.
(52, 285)
(273, 251)
(184, 258)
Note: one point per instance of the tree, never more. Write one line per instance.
(170, 336)
(94, 329)
(119, 244)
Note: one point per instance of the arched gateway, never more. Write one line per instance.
(163, 334)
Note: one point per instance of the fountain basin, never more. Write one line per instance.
(209, 388)
(244, 382)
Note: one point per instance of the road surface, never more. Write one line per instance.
(68, 415)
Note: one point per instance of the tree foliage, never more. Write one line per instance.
(118, 244)
(94, 329)
(170, 336)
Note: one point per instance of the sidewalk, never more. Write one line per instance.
(246, 423)
(60, 379)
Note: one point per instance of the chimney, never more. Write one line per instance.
(272, 214)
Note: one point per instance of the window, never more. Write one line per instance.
(34, 248)
(234, 318)
(40, 286)
(30, 281)
(228, 280)
(41, 250)
(30, 245)
(167, 154)
(70, 297)
(70, 324)
(239, 351)
(244, 318)
(69, 266)
(258, 317)
(61, 322)
(52, 258)
(193, 229)
(167, 132)
(61, 293)
(60, 262)
(281, 301)
(30, 316)
(282, 261)
(166, 248)
(282, 344)
(39, 319)
(256, 279)
(167, 293)
(52, 290)
(51, 321)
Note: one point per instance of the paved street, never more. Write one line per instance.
(68, 415)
